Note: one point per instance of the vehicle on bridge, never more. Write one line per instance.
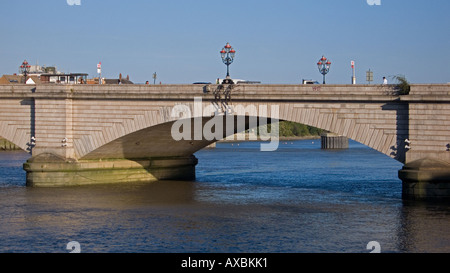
(309, 82)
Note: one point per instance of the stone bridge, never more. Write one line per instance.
(87, 134)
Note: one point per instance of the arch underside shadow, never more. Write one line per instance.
(24, 148)
(18, 126)
(157, 141)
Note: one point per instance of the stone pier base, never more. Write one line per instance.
(55, 174)
(426, 179)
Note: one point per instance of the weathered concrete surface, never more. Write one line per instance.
(333, 141)
(104, 122)
(426, 179)
(55, 173)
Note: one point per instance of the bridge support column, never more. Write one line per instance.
(426, 179)
(54, 173)
(333, 141)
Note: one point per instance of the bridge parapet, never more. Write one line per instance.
(183, 91)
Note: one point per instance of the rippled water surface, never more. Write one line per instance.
(297, 199)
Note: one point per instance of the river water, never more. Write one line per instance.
(298, 199)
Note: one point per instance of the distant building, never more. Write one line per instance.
(71, 78)
(93, 81)
(38, 70)
(12, 79)
(50, 75)
(120, 80)
(44, 75)
(19, 79)
(33, 80)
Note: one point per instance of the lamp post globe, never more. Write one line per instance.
(25, 69)
(324, 67)
(227, 54)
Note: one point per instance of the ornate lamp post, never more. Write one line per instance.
(227, 53)
(324, 67)
(24, 69)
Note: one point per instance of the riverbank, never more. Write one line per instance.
(281, 138)
(6, 145)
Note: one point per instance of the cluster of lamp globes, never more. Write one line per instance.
(25, 67)
(324, 67)
(228, 53)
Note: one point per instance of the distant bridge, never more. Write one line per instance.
(87, 134)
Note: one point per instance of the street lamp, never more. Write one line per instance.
(154, 78)
(324, 67)
(227, 53)
(24, 69)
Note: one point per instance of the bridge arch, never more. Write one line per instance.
(363, 123)
(366, 128)
(23, 146)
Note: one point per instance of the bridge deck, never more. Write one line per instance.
(271, 92)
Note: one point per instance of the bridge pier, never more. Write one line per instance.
(53, 172)
(425, 179)
(333, 141)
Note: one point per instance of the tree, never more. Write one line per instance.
(403, 85)
(293, 129)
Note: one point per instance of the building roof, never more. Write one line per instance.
(33, 80)
(11, 79)
(120, 80)
(116, 81)
(64, 74)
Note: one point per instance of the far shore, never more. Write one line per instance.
(279, 138)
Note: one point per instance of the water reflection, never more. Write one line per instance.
(424, 227)
(300, 199)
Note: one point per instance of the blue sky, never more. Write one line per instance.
(276, 41)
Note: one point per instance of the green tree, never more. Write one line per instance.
(293, 129)
(403, 86)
